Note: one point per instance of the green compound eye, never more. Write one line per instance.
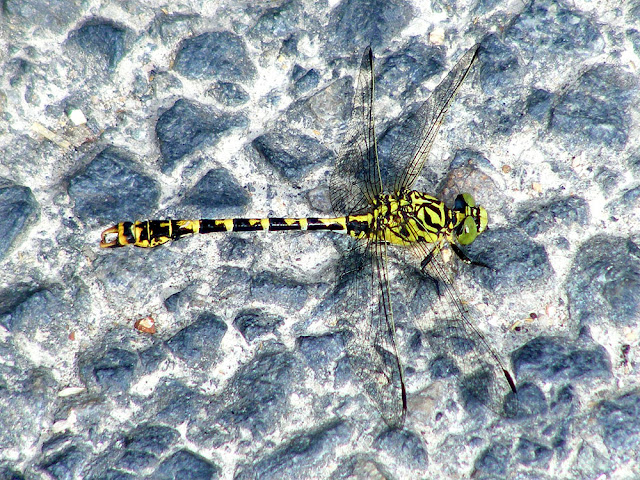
(469, 199)
(462, 201)
(475, 219)
(468, 231)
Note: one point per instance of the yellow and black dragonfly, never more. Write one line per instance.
(380, 220)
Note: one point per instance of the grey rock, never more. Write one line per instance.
(103, 190)
(215, 55)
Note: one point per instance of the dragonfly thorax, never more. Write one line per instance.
(410, 217)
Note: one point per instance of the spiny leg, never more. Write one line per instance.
(463, 256)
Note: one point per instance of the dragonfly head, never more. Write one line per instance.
(472, 220)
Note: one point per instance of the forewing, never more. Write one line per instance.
(355, 181)
(366, 319)
(411, 147)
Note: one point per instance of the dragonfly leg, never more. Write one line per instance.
(423, 268)
(426, 261)
(463, 256)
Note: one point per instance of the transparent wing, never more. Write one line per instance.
(364, 305)
(413, 143)
(355, 181)
(458, 349)
(366, 319)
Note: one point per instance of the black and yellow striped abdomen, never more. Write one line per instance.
(151, 233)
(402, 219)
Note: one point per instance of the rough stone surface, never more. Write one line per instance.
(220, 55)
(223, 109)
(18, 209)
(188, 125)
(104, 188)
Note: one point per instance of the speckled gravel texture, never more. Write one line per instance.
(113, 111)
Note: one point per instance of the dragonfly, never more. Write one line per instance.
(381, 217)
